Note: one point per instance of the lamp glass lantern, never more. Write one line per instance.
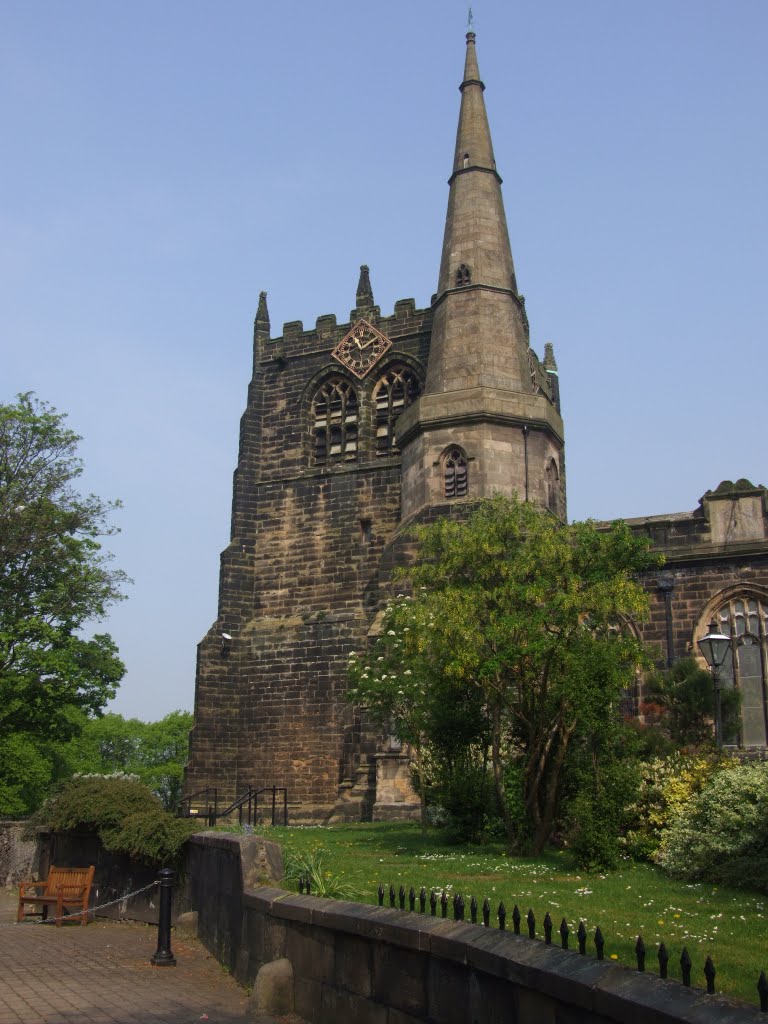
(714, 646)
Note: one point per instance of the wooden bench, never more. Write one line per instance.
(63, 889)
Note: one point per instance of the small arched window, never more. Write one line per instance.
(334, 415)
(455, 482)
(394, 392)
(463, 276)
(466, 160)
(553, 486)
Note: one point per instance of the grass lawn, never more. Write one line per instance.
(730, 925)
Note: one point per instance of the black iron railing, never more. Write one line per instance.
(440, 898)
(254, 807)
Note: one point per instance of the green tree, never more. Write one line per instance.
(155, 752)
(525, 613)
(683, 699)
(54, 577)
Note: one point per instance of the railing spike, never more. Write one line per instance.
(459, 908)
(516, 919)
(502, 914)
(709, 974)
(473, 910)
(564, 933)
(685, 966)
(301, 885)
(433, 902)
(422, 899)
(380, 892)
(531, 920)
(640, 953)
(412, 899)
(401, 897)
(548, 929)
(762, 989)
(581, 935)
(487, 912)
(444, 904)
(663, 960)
(599, 943)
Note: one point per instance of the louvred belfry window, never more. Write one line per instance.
(392, 394)
(334, 413)
(455, 473)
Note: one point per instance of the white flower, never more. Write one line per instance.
(407, 672)
(391, 633)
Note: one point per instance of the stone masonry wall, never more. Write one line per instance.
(298, 584)
(358, 964)
(16, 853)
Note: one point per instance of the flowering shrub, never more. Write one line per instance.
(721, 834)
(667, 786)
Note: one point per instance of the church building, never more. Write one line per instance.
(354, 432)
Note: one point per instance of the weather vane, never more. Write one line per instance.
(470, 20)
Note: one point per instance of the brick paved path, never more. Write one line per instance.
(101, 974)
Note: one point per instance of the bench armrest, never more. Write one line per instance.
(27, 886)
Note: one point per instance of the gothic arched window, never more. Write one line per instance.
(394, 392)
(463, 276)
(553, 481)
(744, 618)
(334, 417)
(455, 480)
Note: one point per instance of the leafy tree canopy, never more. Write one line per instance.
(520, 618)
(156, 752)
(54, 578)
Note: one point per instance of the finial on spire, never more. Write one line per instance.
(364, 290)
(262, 314)
(470, 21)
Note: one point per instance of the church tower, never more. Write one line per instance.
(488, 420)
(352, 432)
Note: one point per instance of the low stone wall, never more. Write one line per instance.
(16, 854)
(372, 965)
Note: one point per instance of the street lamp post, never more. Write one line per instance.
(714, 646)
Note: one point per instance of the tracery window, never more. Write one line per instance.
(334, 415)
(393, 393)
(463, 276)
(455, 478)
(745, 620)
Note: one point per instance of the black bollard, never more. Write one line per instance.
(163, 954)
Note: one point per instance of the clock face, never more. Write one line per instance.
(361, 348)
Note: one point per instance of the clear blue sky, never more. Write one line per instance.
(163, 162)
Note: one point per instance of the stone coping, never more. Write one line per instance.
(601, 987)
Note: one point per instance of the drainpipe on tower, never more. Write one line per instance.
(666, 585)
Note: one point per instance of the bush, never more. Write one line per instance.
(602, 783)
(721, 835)
(681, 702)
(125, 814)
(666, 786)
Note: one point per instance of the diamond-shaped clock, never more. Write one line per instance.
(361, 348)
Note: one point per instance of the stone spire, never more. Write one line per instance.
(483, 407)
(478, 337)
